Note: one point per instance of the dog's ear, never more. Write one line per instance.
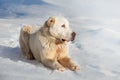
(50, 22)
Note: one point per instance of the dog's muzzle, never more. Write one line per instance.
(73, 34)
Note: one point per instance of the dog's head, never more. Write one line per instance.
(59, 28)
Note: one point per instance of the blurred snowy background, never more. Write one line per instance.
(96, 47)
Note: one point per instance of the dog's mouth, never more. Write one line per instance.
(63, 40)
(58, 41)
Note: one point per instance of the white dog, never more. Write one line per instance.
(49, 44)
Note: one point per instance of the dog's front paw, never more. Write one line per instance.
(61, 69)
(75, 68)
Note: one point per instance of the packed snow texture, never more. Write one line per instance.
(96, 47)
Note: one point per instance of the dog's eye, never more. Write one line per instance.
(63, 25)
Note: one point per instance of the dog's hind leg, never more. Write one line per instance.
(24, 42)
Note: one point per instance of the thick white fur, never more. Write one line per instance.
(49, 44)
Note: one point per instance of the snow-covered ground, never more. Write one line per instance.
(96, 47)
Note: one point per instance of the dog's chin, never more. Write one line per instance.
(60, 41)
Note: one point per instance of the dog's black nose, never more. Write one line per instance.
(73, 36)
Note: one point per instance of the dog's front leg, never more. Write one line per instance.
(68, 62)
(53, 64)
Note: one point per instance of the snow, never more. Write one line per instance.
(96, 47)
